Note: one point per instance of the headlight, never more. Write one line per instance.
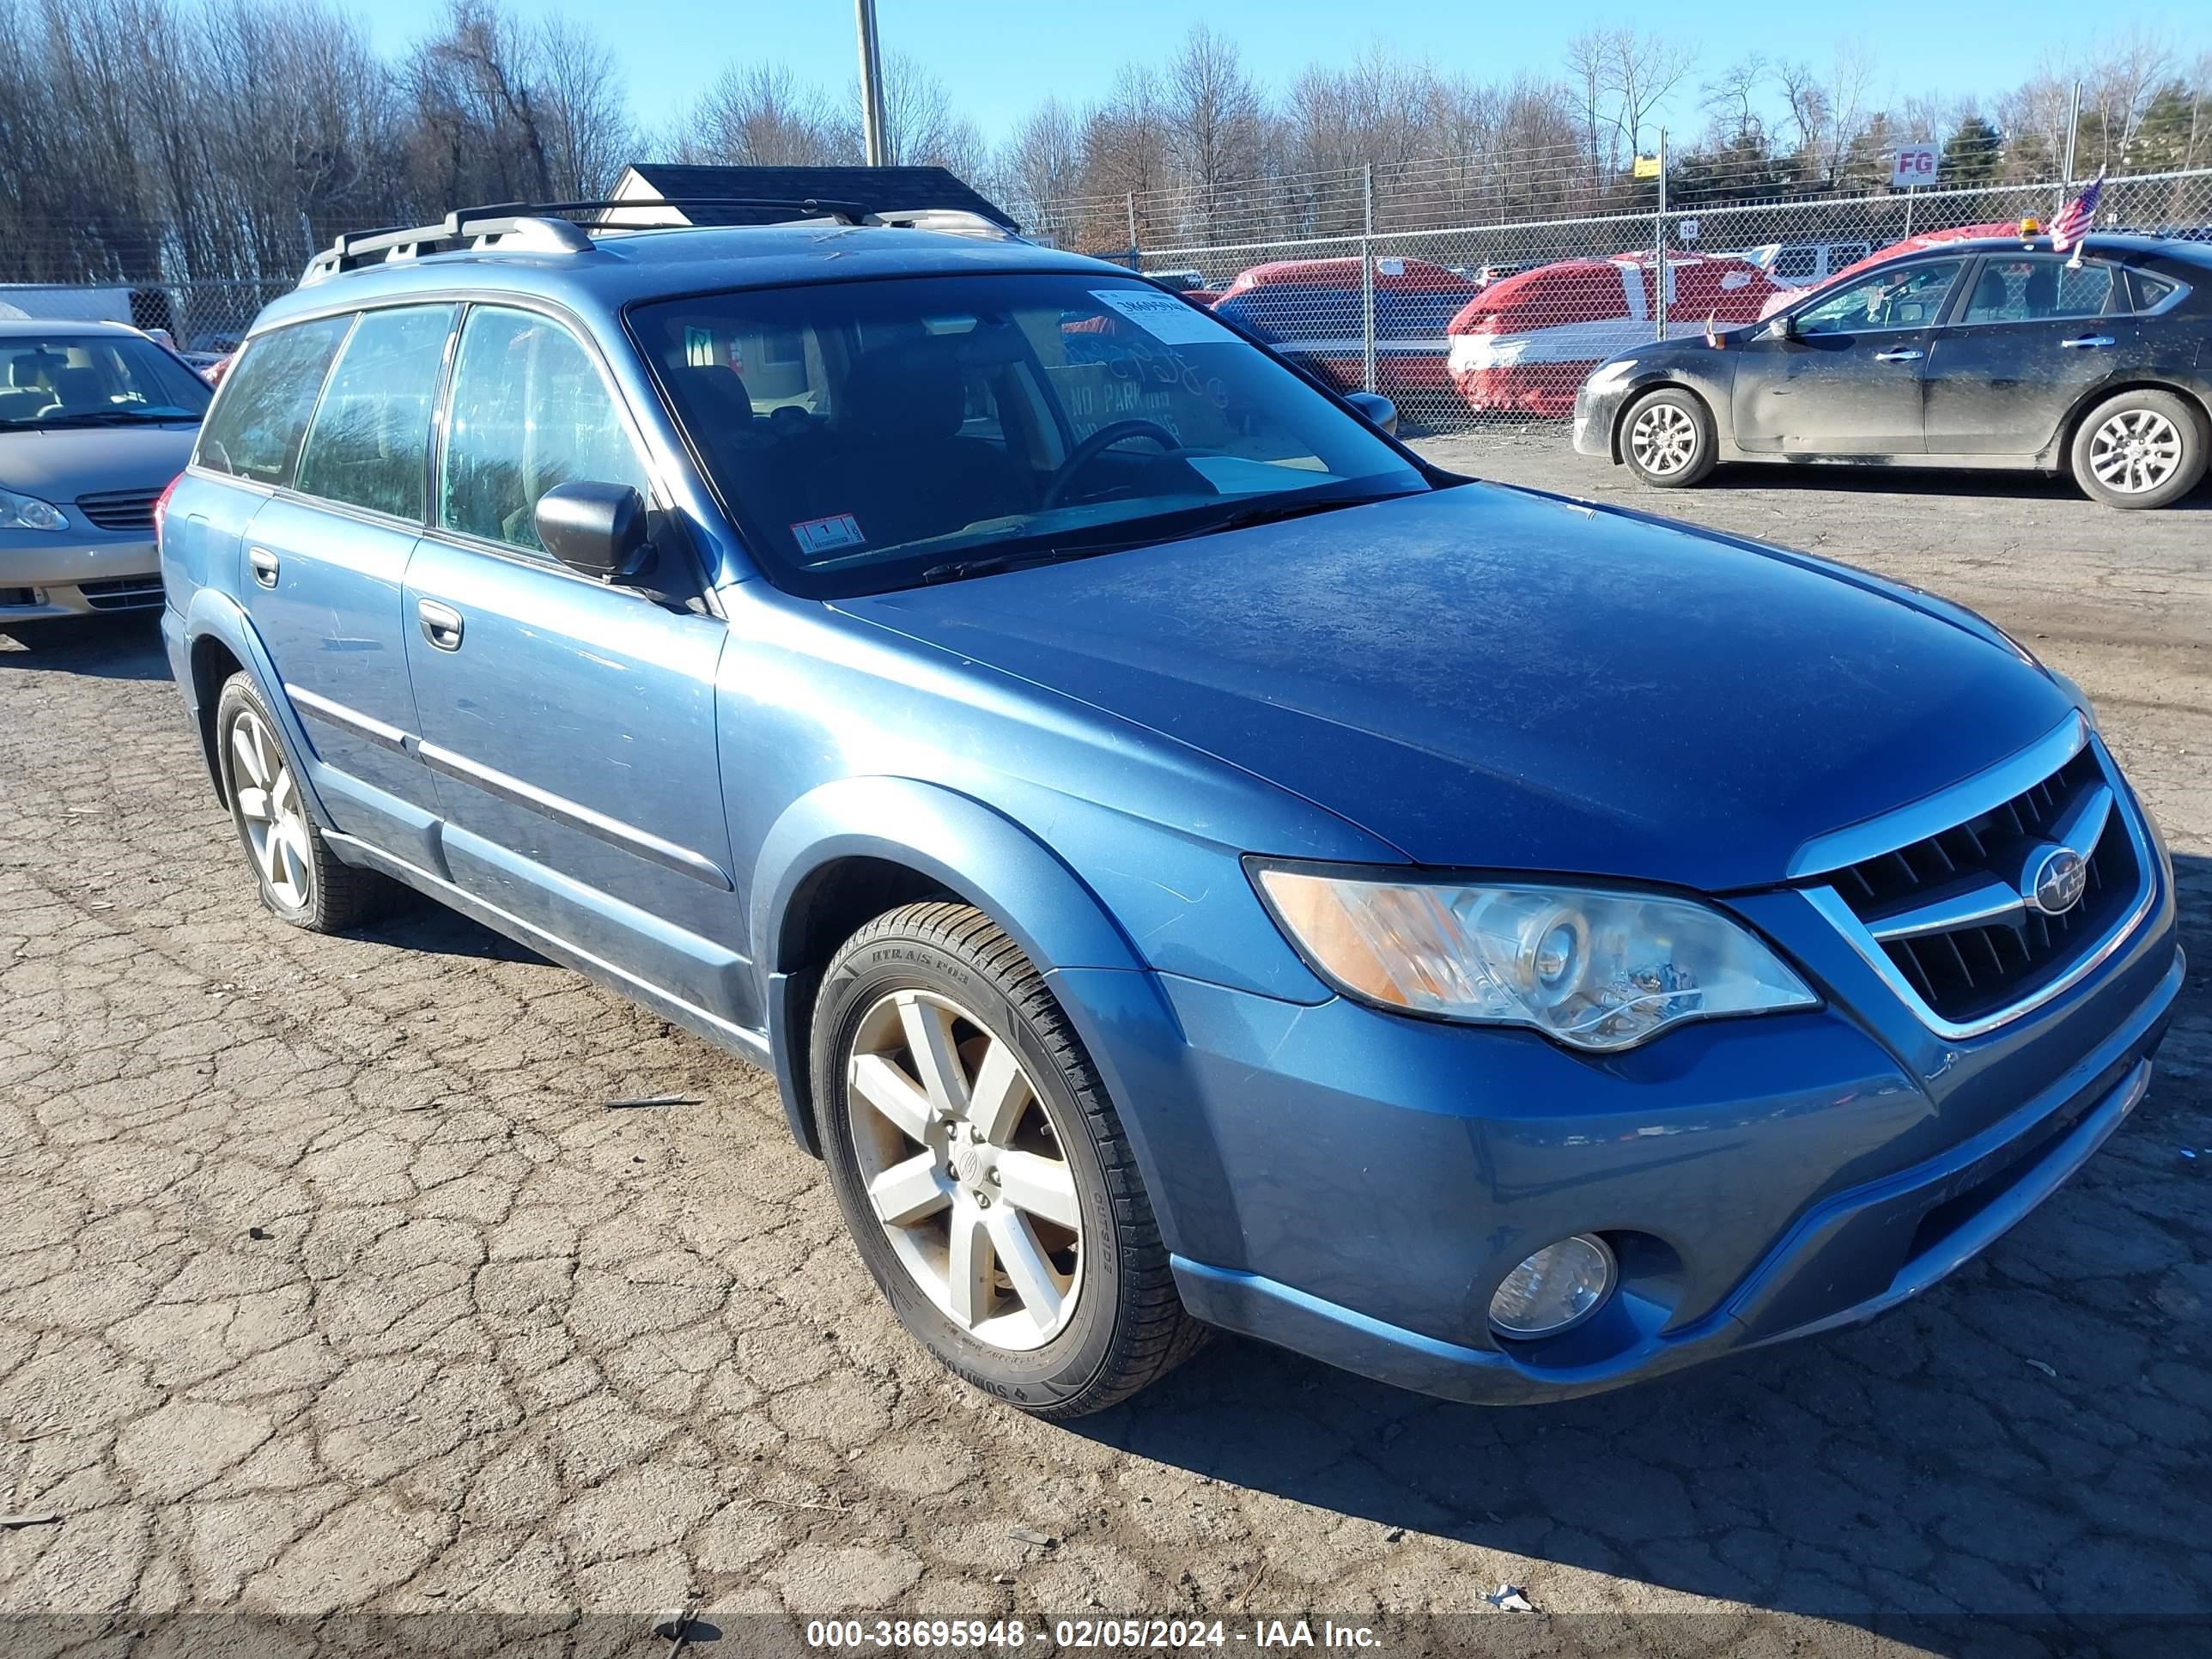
(1606, 376)
(1594, 969)
(28, 512)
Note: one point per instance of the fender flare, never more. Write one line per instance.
(214, 614)
(970, 849)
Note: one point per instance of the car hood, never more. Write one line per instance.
(1488, 678)
(60, 467)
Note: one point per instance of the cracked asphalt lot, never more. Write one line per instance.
(328, 1283)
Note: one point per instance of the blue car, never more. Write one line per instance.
(1186, 861)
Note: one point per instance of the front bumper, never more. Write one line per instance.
(1354, 1184)
(1594, 416)
(78, 576)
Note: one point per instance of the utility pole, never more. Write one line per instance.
(1659, 247)
(871, 82)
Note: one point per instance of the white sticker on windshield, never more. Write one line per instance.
(1166, 319)
(828, 535)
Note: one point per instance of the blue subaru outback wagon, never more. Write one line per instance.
(1188, 862)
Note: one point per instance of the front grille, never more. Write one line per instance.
(122, 593)
(1971, 971)
(120, 509)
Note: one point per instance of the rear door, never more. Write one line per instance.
(1847, 381)
(325, 557)
(570, 723)
(2033, 335)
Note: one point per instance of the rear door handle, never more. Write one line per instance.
(2088, 342)
(442, 625)
(1903, 355)
(264, 565)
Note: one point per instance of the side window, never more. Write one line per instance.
(1796, 265)
(1911, 298)
(261, 414)
(370, 433)
(529, 412)
(2036, 288)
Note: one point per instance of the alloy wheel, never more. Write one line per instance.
(964, 1170)
(269, 809)
(2134, 451)
(1664, 440)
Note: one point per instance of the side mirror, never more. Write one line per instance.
(1378, 411)
(598, 529)
(1782, 328)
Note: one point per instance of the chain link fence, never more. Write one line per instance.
(1477, 325)
(203, 320)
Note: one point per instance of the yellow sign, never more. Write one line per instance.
(1647, 167)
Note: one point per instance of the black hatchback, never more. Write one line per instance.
(1996, 352)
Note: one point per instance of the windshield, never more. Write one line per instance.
(67, 380)
(876, 434)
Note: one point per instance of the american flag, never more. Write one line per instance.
(2072, 223)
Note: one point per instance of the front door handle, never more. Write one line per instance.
(442, 625)
(1902, 355)
(2088, 342)
(264, 565)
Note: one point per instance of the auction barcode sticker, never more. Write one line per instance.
(1166, 319)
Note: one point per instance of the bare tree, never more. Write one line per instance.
(760, 115)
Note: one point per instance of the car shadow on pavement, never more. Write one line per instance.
(125, 647)
(2021, 1453)
(1927, 481)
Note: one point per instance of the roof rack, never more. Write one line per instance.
(538, 226)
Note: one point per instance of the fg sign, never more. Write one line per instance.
(1914, 164)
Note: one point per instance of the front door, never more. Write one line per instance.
(325, 558)
(2033, 334)
(1846, 379)
(570, 723)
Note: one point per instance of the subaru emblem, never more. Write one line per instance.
(2055, 881)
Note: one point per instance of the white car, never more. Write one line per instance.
(1804, 265)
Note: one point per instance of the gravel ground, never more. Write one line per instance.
(327, 1283)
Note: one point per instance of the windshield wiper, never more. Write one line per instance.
(110, 417)
(1242, 518)
(960, 569)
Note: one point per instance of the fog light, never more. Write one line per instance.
(1559, 1286)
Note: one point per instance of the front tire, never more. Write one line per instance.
(302, 880)
(1667, 439)
(982, 1170)
(2140, 450)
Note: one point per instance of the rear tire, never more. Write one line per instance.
(955, 1103)
(2140, 450)
(1667, 439)
(302, 880)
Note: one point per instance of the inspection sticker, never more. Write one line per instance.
(828, 535)
(1166, 319)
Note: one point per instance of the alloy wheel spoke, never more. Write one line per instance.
(929, 1031)
(253, 803)
(248, 752)
(967, 1265)
(910, 1191)
(1035, 1284)
(885, 1088)
(1042, 1187)
(1001, 1090)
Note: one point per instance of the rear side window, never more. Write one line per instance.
(261, 415)
(370, 433)
(1795, 264)
(529, 412)
(2151, 292)
(2037, 289)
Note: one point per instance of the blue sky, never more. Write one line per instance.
(1000, 56)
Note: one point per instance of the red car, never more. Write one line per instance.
(1525, 343)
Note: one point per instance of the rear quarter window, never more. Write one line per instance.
(261, 415)
(369, 442)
